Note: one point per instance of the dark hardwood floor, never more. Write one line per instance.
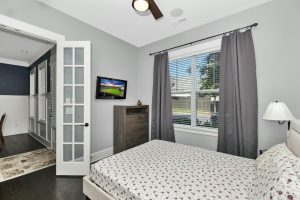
(21, 143)
(39, 185)
(42, 185)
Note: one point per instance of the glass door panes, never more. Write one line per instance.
(73, 110)
(79, 94)
(79, 56)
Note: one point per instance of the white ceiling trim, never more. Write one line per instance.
(14, 62)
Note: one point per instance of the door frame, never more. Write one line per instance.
(34, 31)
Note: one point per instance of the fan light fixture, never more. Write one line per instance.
(140, 5)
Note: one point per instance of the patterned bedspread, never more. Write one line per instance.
(161, 170)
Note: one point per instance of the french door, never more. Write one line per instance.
(73, 109)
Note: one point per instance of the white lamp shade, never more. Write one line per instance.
(278, 111)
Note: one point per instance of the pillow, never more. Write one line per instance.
(278, 177)
(295, 162)
(293, 141)
(270, 154)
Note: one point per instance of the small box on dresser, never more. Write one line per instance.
(131, 127)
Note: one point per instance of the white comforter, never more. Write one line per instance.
(161, 170)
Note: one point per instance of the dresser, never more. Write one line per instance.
(131, 127)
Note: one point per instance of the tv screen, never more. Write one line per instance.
(109, 88)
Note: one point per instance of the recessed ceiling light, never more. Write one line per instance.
(176, 12)
(24, 52)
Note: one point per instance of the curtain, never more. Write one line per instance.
(162, 122)
(238, 96)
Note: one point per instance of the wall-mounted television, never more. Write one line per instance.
(109, 88)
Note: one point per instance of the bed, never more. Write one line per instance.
(164, 170)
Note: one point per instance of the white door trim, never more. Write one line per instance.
(34, 31)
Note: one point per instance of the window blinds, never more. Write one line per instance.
(181, 83)
(42, 88)
(195, 90)
(32, 95)
(53, 86)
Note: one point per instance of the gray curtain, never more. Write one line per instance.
(162, 122)
(238, 96)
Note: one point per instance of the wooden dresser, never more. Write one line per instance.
(131, 127)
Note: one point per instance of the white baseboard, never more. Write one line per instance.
(102, 154)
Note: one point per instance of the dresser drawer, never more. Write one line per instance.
(136, 127)
(138, 133)
(136, 139)
(136, 118)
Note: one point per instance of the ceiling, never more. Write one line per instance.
(14, 45)
(118, 18)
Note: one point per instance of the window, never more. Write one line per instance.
(32, 100)
(32, 94)
(195, 89)
(42, 90)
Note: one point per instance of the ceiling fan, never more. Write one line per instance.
(144, 5)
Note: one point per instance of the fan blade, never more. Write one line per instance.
(155, 10)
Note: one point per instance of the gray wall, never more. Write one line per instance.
(111, 57)
(277, 48)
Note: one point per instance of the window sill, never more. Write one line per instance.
(200, 131)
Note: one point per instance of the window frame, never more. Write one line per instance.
(42, 92)
(193, 51)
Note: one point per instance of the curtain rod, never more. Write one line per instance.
(190, 43)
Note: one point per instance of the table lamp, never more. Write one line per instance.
(278, 111)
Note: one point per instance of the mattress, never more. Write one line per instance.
(164, 170)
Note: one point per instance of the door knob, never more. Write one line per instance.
(86, 124)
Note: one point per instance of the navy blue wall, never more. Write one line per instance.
(14, 80)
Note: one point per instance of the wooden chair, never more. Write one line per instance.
(2, 143)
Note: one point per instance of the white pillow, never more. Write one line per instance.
(278, 176)
(293, 141)
(270, 154)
